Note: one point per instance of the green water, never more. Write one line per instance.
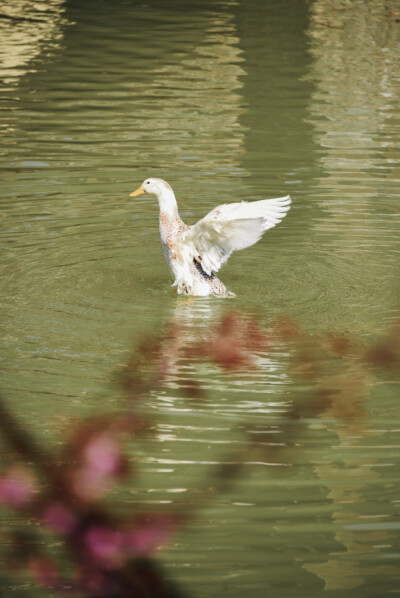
(227, 101)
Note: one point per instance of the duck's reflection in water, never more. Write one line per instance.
(225, 354)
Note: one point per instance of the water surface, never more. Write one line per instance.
(228, 101)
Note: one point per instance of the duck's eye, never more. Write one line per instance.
(147, 182)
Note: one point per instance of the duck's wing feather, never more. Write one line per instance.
(231, 227)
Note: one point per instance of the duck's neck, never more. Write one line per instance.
(167, 203)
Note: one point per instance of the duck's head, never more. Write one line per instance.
(152, 186)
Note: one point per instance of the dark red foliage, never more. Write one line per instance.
(234, 343)
(17, 487)
(284, 328)
(386, 352)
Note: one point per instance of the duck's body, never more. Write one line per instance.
(190, 278)
(195, 253)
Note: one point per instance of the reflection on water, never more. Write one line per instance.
(227, 101)
(196, 324)
(24, 30)
(176, 90)
(353, 109)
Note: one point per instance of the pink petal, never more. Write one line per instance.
(59, 518)
(105, 546)
(16, 488)
(150, 535)
(102, 455)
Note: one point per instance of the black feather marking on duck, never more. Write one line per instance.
(200, 269)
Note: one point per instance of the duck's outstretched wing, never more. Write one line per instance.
(231, 227)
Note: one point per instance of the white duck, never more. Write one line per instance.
(195, 253)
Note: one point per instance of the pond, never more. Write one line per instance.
(228, 100)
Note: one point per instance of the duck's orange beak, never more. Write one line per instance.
(139, 191)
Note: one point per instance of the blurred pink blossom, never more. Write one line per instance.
(110, 548)
(150, 535)
(88, 485)
(60, 518)
(16, 487)
(105, 546)
(102, 455)
(103, 464)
